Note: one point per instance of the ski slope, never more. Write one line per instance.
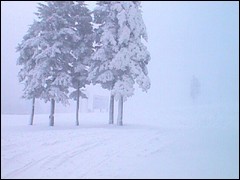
(174, 145)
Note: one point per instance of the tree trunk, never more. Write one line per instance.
(77, 122)
(111, 110)
(51, 117)
(32, 114)
(120, 111)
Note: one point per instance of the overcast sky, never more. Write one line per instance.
(185, 39)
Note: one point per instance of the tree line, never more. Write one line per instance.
(69, 47)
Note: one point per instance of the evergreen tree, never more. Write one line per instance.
(51, 51)
(81, 51)
(121, 58)
(54, 61)
(28, 49)
(105, 50)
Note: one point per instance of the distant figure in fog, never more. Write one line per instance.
(195, 88)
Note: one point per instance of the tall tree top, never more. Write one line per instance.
(121, 56)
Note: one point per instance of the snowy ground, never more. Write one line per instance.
(193, 143)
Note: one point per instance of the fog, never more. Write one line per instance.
(186, 39)
(186, 126)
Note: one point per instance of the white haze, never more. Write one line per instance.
(166, 133)
(185, 39)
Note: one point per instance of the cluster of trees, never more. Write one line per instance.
(69, 47)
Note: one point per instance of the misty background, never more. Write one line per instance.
(186, 39)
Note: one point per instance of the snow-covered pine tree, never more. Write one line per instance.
(58, 37)
(28, 48)
(82, 51)
(105, 50)
(121, 58)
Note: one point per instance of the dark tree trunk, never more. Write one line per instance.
(111, 110)
(77, 121)
(51, 117)
(120, 111)
(32, 114)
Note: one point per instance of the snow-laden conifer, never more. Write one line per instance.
(121, 58)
